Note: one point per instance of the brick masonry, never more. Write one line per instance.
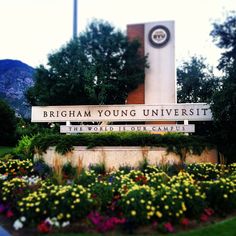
(137, 96)
(136, 31)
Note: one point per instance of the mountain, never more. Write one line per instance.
(15, 78)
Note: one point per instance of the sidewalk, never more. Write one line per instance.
(3, 232)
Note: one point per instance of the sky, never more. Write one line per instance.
(32, 29)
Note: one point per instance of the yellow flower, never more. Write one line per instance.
(37, 209)
(225, 196)
(166, 207)
(60, 216)
(133, 213)
(158, 214)
(183, 206)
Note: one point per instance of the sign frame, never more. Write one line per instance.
(73, 129)
(121, 113)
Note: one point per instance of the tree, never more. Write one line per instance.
(99, 67)
(196, 81)
(224, 101)
(7, 124)
(224, 35)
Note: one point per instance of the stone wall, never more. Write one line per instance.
(114, 157)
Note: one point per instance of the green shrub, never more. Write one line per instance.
(69, 171)
(190, 193)
(66, 203)
(13, 190)
(23, 147)
(176, 143)
(221, 194)
(98, 168)
(204, 171)
(137, 204)
(7, 125)
(102, 193)
(15, 167)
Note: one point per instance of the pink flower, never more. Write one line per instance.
(204, 217)
(103, 223)
(154, 225)
(2, 208)
(9, 214)
(95, 218)
(169, 227)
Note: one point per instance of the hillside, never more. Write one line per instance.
(15, 78)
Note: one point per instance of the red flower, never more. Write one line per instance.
(44, 227)
(209, 211)
(169, 227)
(9, 214)
(204, 217)
(185, 222)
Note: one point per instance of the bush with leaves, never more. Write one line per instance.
(23, 147)
(7, 124)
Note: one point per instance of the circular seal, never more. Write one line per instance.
(159, 36)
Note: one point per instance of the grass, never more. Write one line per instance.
(223, 228)
(4, 150)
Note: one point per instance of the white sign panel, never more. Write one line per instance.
(121, 128)
(112, 113)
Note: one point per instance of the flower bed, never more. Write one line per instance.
(161, 198)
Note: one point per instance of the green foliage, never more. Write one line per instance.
(100, 66)
(15, 167)
(176, 143)
(40, 143)
(7, 125)
(125, 168)
(13, 190)
(86, 178)
(102, 193)
(98, 168)
(196, 81)
(221, 194)
(69, 171)
(23, 147)
(5, 150)
(137, 205)
(224, 101)
(63, 202)
(26, 128)
(139, 197)
(190, 193)
(224, 35)
(204, 171)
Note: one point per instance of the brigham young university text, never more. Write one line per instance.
(139, 112)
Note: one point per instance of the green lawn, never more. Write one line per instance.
(4, 150)
(223, 228)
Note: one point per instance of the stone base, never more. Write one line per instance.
(114, 157)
